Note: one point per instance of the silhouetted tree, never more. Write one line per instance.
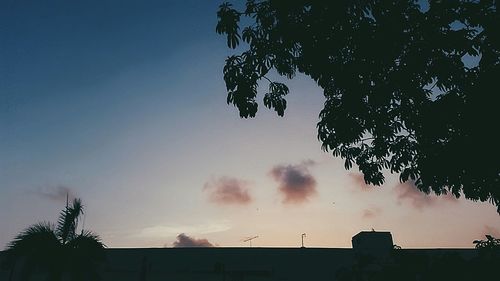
(58, 251)
(488, 259)
(407, 88)
(490, 243)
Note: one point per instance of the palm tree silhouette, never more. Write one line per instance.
(58, 252)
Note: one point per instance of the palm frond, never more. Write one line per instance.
(87, 239)
(86, 253)
(38, 243)
(68, 221)
(87, 246)
(34, 237)
(58, 251)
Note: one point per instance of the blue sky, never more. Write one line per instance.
(122, 103)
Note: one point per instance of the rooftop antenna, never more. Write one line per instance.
(249, 239)
(302, 236)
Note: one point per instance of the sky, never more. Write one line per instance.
(123, 104)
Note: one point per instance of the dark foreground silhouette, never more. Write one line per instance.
(56, 252)
(373, 257)
(408, 85)
(423, 265)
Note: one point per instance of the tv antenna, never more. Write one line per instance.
(302, 237)
(249, 239)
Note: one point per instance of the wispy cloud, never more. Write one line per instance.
(170, 230)
(490, 230)
(185, 241)
(359, 182)
(56, 193)
(296, 183)
(372, 212)
(407, 192)
(228, 191)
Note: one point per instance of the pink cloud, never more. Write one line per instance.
(359, 182)
(185, 241)
(490, 230)
(296, 184)
(227, 190)
(371, 212)
(407, 192)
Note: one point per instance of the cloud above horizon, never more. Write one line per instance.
(56, 193)
(407, 192)
(370, 213)
(228, 191)
(490, 230)
(296, 184)
(185, 241)
(359, 182)
(170, 230)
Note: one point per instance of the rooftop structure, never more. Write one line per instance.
(220, 263)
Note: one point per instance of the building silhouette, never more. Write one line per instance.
(373, 254)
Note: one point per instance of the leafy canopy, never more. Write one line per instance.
(490, 243)
(408, 87)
